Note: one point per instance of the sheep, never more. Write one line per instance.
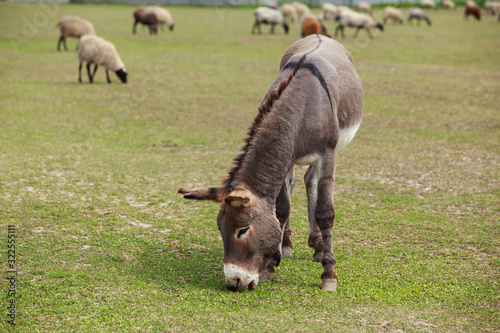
(300, 7)
(358, 21)
(98, 51)
(73, 26)
(332, 12)
(312, 26)
(394, 14)
(447, 4)
(271, 4)
(492, 6)
(364, 6)
(146, 18)
(428, 4)
(472, 9)
(164, 17)
(418, 14)
(289, 11)
(265, 15)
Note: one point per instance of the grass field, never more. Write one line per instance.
(89, 176)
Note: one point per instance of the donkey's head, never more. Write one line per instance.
(250, 232)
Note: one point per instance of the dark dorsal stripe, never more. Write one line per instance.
(264, 109)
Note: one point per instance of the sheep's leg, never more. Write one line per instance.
(80, 72)
(107, 76)
(65, 46)
(88, 72)
(369, 33)
(272, 28)
(134, 27)
(95, 70)
(61, 39)
(357, 32)
(341, 28)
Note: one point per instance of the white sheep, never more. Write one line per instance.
(73, 26)
(164, 17)
(328, 12)
(98, 51)
(492, 6)
(418, 14)
(357, 20)
(300, 8)
(394, 14)
(266, 15)
(289, 11)
(428, 4)
(363, 6)
(447, 4)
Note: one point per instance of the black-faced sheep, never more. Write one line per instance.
(98, 51)
(265, 15)
(393, 14)
(417, 14)
(73, 26)
(357, 20)
(146, 18)
(363, 6)
(164, 17)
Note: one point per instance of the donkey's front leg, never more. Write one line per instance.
(283, 215)
(325, 215)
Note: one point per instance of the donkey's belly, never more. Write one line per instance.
(345, 136)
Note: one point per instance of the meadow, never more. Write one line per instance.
(104, 243)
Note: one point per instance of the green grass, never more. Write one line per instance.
(89, 175)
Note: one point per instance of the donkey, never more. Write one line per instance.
(311, 111)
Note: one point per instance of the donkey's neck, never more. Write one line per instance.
(271, 154)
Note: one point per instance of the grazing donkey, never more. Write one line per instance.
(312, 110)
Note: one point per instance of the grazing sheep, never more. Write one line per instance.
(73, 26)
(364, 6)
(473, 10)
(418, 14)
(300, 7)
(98, 51)
(328, 12)
(394, 14)
(428, 4)
(447, 4)
(266, 15)
(289, 11)
(312, 26)
(164, 17)
(271, 4)
(146, 18)
(357, 20)
(492, 6)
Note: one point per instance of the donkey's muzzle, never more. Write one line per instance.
(239, 279)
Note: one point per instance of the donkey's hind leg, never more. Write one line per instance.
(283, 215)
(315, 239)
(325, 215)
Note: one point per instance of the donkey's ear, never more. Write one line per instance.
(209, 193)
(239, 198)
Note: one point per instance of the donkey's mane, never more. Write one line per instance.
(264, 109)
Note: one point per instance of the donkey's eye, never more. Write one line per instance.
(242, 232)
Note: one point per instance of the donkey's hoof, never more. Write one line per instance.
(286, 252)
(266, 276)
(329, 285)
(317, 257)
